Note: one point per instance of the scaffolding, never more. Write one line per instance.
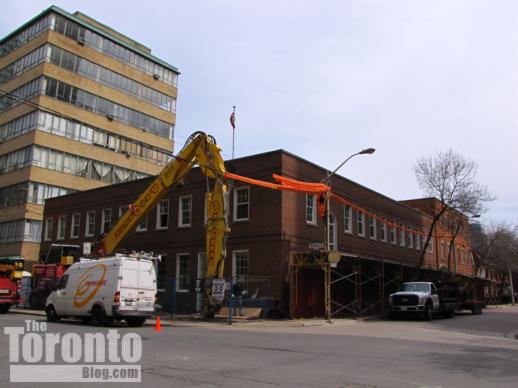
(357, 286)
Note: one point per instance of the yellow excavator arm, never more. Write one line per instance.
(200, 149)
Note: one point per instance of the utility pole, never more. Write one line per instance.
(511, 284)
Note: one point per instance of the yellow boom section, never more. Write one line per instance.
(200, 149)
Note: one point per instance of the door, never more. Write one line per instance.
(202, 269)
(60, 296)
(146, 285)
(435, 298)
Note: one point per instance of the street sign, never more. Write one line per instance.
(316, 246)
(218, 290)
(87, 248)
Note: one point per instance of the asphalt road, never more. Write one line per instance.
(466, 351)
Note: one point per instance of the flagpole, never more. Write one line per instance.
(233, 131)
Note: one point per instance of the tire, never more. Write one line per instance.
(4, 308)
(476, 309)
(449, 313)
(135, 322)
(98, 316)
(52, 316)
(428, 313)
(392, 315)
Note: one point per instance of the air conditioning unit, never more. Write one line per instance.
(156, 76)
(110, 117)
(81, 40)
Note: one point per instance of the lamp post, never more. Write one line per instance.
(327, 240)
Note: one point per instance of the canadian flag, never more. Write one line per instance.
(233, 120)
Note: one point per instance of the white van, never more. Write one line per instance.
(113, 288)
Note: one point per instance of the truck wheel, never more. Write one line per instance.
(428, 313)
(98, 316)
(449, 314)
(52, 316)
(135, 322)
(391, 315)
(476, 309)
(4, 308)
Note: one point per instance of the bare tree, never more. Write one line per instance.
(497, 249)
(451, 179)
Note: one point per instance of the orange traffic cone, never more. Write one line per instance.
(157, 324)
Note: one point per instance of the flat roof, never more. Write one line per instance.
(92, 27)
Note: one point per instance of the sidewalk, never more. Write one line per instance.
(190, 321)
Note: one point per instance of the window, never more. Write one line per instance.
(430, 244)
(62, 227)
(161, 276)
(241, 203)
(401, 235)
(372, 228)
(74, 229)
(106, 221)
(332, 232)
(183, 278)
(90, 223)
(360, 223)
(122, 210)
(240, 265)
(393, 235)
(311, 210)
(383, 231)
(48, 228)
(142, 225)
(410, 238)
(185, 210)
(443, 251)
(417, 242)
(162, 215)
(348, 222)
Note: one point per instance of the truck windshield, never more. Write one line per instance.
(419, 287)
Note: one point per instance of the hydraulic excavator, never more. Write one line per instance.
(200, 149)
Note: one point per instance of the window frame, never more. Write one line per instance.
(88, 223)
(73, 225)
(235, 204)
(312, 208)
(360, 220)
(348, 219)
(181, 211)
(49, 229)
(159, 214)
(62, 227)
(383, 231)
(239, 278)
(179, 255)
(373, 235)
(104, 219)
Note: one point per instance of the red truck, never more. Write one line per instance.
(11, 271)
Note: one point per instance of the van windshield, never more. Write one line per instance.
(418, 287)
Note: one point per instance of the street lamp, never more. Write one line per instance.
(327, 240)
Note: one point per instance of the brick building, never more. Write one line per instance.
(81, 106)
(380, 239)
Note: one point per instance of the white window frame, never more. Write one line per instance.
(360, 220)
(122, 210)
(90, 216)
(73, 224)
(373, 233)
(312, 208)
(62, 227)
(410, 238)
(383, 231)
(104, 219)
(49, 224)
(417, 241)
(234, 213)
(181, 211)
(393, 233)
(430, 244)
(158, 214)
(402, 236)
(348, 219)
(143, 224)
(234, 267)
(178, 256)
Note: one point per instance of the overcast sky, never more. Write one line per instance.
(324, 79)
